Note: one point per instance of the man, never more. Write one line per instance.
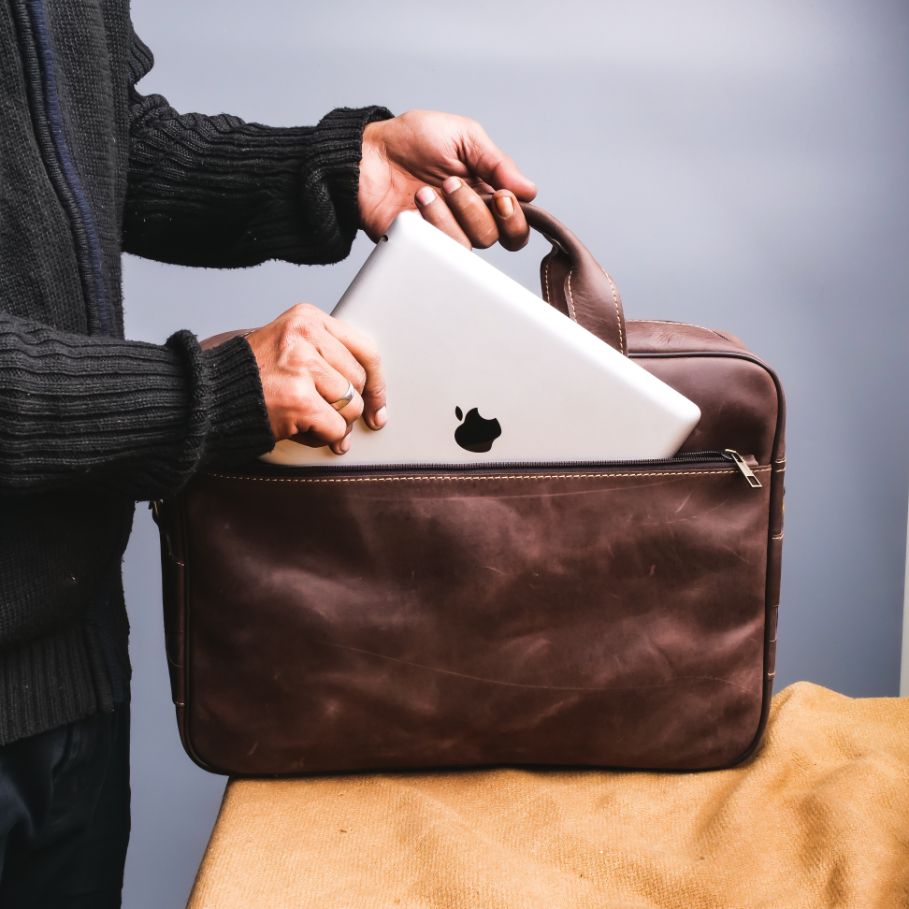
(90, 422)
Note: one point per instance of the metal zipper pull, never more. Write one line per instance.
(744, 469)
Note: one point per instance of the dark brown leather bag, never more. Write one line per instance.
(599, 614)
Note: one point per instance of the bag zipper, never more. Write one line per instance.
(727, 455)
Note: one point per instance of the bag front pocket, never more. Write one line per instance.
(598, 614)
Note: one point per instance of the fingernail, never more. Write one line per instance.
(425, 195)
(380, 417)
(504, 206)
(344, 444)
(451, 184)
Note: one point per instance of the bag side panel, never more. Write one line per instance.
(742, 401)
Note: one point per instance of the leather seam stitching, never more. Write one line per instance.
(571, 309)
(546, 280)
(615, 302)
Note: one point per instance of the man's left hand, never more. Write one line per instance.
(439, 163)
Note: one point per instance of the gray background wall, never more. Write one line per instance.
(737, 165)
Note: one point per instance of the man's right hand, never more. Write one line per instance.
(306, 358)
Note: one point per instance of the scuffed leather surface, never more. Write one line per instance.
(662, 336)
(611, 620)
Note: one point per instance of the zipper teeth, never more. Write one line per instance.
(687, 457)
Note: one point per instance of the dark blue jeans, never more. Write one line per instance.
(64, 815)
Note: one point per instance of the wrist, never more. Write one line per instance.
(373, 175)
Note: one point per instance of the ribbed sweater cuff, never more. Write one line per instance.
(335, 150)
(239, 428)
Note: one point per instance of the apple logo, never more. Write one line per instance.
(476, 433)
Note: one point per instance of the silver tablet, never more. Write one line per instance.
(479, 369)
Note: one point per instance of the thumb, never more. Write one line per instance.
(491, 164)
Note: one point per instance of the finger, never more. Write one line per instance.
(317, 422)
(329, 362)
(364, 350)
(436, 212)
(332, 386)
(471, 212)
(513, 229)
(314, 440)
(482, 187)
(495, 167)
(338, 355)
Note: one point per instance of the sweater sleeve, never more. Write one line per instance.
(136, 417)
(218, 191)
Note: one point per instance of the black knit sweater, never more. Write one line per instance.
(90, 422)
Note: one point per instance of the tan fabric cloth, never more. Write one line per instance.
(820, 818)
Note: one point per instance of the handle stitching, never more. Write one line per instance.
(615, 302)
(612, 288)
(571, 309)
(546, 280)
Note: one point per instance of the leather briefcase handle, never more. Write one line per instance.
(575, 283)
(571, 279)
